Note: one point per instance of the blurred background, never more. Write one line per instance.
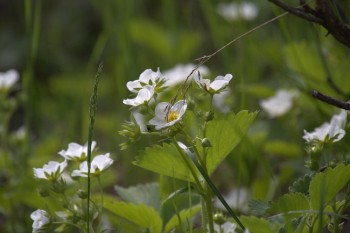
(57, 46)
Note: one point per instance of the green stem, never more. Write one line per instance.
(216, 191)
(204, 212)
(209, 206)
(92, 113)
(190, 203)
(101, 204)
(188, 164)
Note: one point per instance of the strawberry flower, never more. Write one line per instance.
(167, 115)
(215, 87)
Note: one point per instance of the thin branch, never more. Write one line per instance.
(184, 87)
(330, 100)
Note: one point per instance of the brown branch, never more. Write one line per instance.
(297, 11)
(330, 100)
(323, 14)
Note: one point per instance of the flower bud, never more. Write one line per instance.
(219, 218)
(206, 142)
(82, 194)
(209, 116)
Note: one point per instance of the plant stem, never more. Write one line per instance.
(101, 204)
(209, 206)
(92, 113)
(188, 164)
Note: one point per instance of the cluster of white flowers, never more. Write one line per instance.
(75, 152)
(145, 87)
(150, 84)
(55, 172)
(330, 131)
(234, 11)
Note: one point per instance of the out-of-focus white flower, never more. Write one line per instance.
(235, 11)
(333, 130)
(167, 115)
(50, 171)
(98, 165)
(278, 104)
(237, 198)
(220, 99)
(41, 219)
(179, 73)
(147, 78)
(227, 227)
(76, 152)
(215, 87)
(143, 96)
(8, 79)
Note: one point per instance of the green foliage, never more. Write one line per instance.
(292, 204)
(184, 216)
(225, 132)
(325, 185)
(147, 194)
(301, 185)
(259, 225)
(164, 160)
(142, 215)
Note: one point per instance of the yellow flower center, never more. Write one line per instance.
(171, 116)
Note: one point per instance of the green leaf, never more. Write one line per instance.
(301, 58)
(184, 215)
(258, 206)
(141, 215)
(147, 194)
(291, 202)
(301, 185)
(259, 225)
(324, 186)
(225, 132)
(164, 160)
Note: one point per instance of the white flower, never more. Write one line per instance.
(278, 104)
(143, 96)
(215, 87)
(167, 115)
(76, 152)
(148, 77)
(50, 171)
(179, 73)
(330, 130)
(234, 11)
(40, 218)
(227, 227)
(8, 79)
(98, 164)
